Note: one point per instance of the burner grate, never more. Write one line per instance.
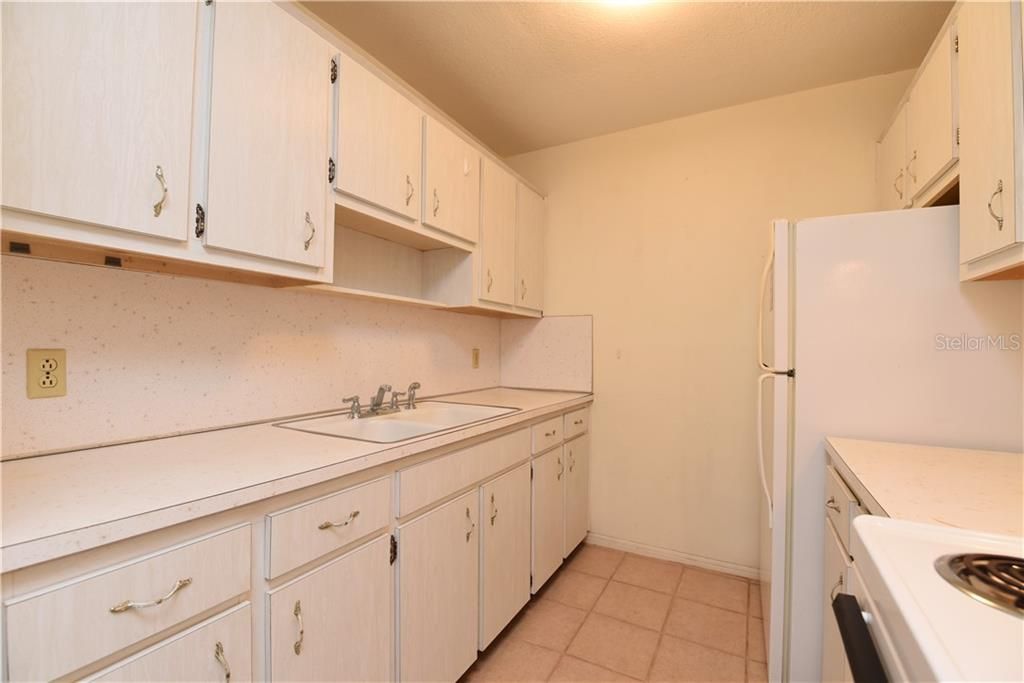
(996, 580)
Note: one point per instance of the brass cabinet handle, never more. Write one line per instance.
(218, 654)
(494, 510)
(895, 184)
(312, 232)
(910, 165)
(523, 288)
(472, 525)
(551, 433)
(437, 203)
(831, 504)
(999, 190)
(578, 422)
(131, 604)
(572, 461)
(408, 189)
(302, 631)
(490, 279)
(159, 206)
(835, 589)
(561, 469)
(330, 525)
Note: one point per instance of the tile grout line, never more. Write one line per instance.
(664, 621)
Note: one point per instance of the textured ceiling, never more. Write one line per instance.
(523, 76)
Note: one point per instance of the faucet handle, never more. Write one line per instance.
(394, 399)
(354, 400)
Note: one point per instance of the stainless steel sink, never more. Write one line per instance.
(427, 418)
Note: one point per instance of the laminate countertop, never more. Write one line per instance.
(957, 487)
(55, 505)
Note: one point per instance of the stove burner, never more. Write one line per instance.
(996, 580)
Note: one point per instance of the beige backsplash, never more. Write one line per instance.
(157, 354)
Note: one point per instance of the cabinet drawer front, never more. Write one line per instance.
(547, 434)
(841, 506)
(307, 531)
(79, 617)
(345, 608)
(205, 652)
(431, 481)
(576, 422)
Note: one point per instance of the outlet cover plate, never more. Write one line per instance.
(46, 373)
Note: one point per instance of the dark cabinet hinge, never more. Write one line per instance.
(531, 579)
(200, 220)
(394, 549)
(956, 43)
(334, 70)
(531, 471)
(331, 168)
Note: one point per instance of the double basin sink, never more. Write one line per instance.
(427, 417)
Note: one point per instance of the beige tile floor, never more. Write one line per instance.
(613, 616)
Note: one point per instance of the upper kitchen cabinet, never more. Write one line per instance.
(529, 248)
(497, 234)
(378, 147)
(451, 202)
(991, 125)
(932, 121)
(268, 166)
(891, 175)
(97, 113)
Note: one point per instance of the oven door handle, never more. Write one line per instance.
(861, 652)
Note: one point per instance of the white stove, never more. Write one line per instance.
(925, 621)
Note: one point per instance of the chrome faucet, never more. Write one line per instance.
(410, 403)
(354, 412)
(378, 399)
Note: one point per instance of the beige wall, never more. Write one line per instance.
(660, 232)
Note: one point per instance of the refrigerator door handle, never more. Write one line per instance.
(765, 274)
(760, 443)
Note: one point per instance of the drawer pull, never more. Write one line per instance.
(551, 433)
(578, 422)
(131, 604)
(996, 217)
(302, 631)
(835, 589)
(831, 504)
(159, 206)
(494, 510)
(472, 525)
(218, 654)
(330, 525)
(561, 469)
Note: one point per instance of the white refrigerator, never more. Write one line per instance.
(858, 318)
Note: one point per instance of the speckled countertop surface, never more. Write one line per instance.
(962, 488)
(58, 504)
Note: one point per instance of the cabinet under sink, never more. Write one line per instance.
(427, 417)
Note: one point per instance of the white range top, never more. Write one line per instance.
(955, 487)
(55, 505)
(934, 631)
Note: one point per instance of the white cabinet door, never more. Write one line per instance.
(268, 187)
(336, 622)
(451, 197)
(548, 515)
(504, 551)
(577, 492)
(529, 248)
(834, 666)
(892, 185)
(438, 570)
(497, 234)
(931, 118)
(97, 103)
(987, 183)
(379, 143)
(208, 651)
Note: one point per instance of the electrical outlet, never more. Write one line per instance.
(46, 373)
(476, 358)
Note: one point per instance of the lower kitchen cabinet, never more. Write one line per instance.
(219, 649)
(336, 622)
(438, 583)
(834, 666)
(504, 551)
(548, 516)
(577, 491)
